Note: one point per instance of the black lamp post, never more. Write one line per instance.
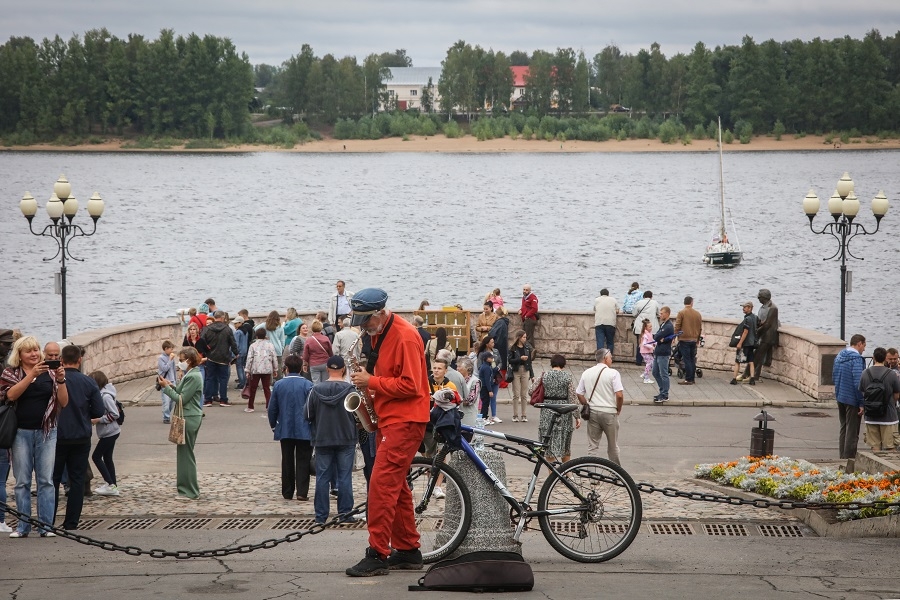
(843, 207)
(62, 208)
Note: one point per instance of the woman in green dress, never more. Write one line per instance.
(558, 389)
(190, 391)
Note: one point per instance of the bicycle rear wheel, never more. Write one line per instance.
(596, 530)
(442, 523)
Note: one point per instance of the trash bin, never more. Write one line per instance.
(762, 441)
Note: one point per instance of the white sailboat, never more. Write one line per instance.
(723, 251)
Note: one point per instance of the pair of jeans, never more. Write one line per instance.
(689, 355)
(72, 457)
(661, 375)
(848, 437)
(102, 458)
(391, 519)
(167, 404)
(216, 384)
(319, 373)
(4, 475)
(33, 452)
(240, 366)
(605, 335)
(331, 462)
(295, 458)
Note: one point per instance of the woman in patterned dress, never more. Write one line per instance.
(559, 388)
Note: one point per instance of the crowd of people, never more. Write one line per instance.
(360, 347)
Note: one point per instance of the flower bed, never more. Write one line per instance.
(783, 477)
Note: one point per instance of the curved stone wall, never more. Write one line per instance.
(803, 360)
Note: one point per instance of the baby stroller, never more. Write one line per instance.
(678, 360)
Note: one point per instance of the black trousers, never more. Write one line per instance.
(72, 457)
(295, 459)
(102, 458)
(848, 438)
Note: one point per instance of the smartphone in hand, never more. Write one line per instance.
(53, 364)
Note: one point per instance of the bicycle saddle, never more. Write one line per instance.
(562, 409)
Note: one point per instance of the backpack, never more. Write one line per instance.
(875, 398)
(484, 571)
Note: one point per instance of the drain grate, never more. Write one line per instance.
(90, 524)
(134, 524)
(574, 527)
(187, 523)
(781, 531)
(671, 528)
(812, 414)
(669, 415)
(240, 524)
(294, 524)
(729, 529)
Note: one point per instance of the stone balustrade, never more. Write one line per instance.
(803, 360)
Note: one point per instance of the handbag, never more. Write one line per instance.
(510, 374)
(586, 407)
(245, 392)
(176, 424)
(9, 424)
(736, 336)
(537, 394)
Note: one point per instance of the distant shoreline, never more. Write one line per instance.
(470, 145)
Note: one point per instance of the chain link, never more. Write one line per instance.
(649, 488)
(296, 536)
(290, 538)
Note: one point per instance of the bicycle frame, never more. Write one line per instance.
(537, 449)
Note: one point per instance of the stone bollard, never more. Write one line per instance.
(490, 529)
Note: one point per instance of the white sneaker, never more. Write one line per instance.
(498, 420)
(515, 419)
(4, 528)
(438, 493)
(107, 490)
(650, 381)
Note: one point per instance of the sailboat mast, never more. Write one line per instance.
(721, 187)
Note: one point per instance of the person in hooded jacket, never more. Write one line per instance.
(287, 417)
(222, 347)
(334, 439)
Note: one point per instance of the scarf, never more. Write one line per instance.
(13, 375)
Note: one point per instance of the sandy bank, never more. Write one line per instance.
(470, 144)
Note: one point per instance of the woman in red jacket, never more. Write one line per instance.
(316, 352)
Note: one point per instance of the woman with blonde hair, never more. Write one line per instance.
(38, 393)
(292, 323)
(275, 334)
(189, 392)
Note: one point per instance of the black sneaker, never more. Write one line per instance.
(370, 566)
(733, 381)
(406, 560)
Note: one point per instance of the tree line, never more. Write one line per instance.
(193, 86)
(203, 88)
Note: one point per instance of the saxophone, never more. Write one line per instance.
(358, 401)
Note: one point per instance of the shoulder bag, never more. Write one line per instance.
(586, 407)
(736, 336)
(537, 394)
(176, 426)
(9, 425)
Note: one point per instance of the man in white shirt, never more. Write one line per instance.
(601, 388)
(605, 310)
(340, 305)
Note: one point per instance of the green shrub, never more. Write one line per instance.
(453, 130)
(203, 144)
(746, 133)
(345, 129)
(799, 135)
(727, 137)
(699, 132)
(845, 137)
(778, 130)
(527, 132)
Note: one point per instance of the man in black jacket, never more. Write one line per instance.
(223, 348)
(662, 353)
(73, 434)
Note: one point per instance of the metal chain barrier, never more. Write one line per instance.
(649, 488)
(296, 536)
(290, 538)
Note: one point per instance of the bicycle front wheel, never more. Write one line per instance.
(601, 527)
(442, 522)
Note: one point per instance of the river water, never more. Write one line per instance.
(272, 230)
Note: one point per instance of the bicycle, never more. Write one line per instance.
(589, 509)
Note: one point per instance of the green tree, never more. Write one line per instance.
(458, 83)
(702, 92)
(609, 66)
(563, 75)
(397, 58)
(581, 91)
(539, 83)
(428, 97)
(746, 83)
(518, 58)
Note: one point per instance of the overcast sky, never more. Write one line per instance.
(270, 31)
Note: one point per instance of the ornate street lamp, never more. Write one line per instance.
(844, 207)
(62, 208)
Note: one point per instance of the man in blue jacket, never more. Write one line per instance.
(73, 434)
(287, 417)
(848, 367)
(661, 354)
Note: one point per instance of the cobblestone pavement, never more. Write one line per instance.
(236, 495)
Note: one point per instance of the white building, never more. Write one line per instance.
(405, 86)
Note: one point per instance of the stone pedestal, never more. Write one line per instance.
(490, 529)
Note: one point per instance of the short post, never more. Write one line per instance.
(762, 439)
